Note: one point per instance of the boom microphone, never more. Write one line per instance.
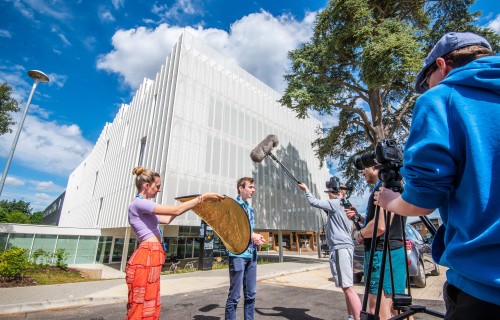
(264, 149)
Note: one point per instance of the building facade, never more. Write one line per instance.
(196, 124)
(52, 213)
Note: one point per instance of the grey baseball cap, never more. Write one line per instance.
(448, 43)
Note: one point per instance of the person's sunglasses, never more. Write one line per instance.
(425, 84)
(328, 191)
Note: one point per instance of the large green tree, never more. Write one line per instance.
(361, 64)
(7, 105)
(19, 211)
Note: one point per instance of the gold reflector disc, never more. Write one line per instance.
(227, 218)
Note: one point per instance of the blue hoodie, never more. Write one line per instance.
(451, 160)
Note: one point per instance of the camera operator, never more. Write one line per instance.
(338, 232)
(397, 251)
(451, 162)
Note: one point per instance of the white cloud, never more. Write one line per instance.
(258, 42)
(17, 77)
(64, 39)
(23, 9)
(45, 185)
(175, 11)
(38, 193)
(12, 181)
(5, 34)
(105, 15)
(89, 42)
(118, 3)
(47, 146)
(57, 79)
(42, 196)
(327, 121)
(495, 23)
(55, 9)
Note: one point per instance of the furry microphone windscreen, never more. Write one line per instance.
(264, 148)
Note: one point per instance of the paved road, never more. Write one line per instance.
(305, 295)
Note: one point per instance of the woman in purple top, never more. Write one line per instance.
(144, 267)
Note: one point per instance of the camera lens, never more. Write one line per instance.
(365, 160)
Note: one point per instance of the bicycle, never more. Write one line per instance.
(173, 267)
(189, 266)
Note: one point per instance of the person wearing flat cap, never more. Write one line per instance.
(451, 162)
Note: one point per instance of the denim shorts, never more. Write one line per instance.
(398, 271)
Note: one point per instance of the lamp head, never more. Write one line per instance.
(38, 75)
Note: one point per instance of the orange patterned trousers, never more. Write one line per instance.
(143, 281)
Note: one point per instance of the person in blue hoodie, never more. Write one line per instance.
(451, 159)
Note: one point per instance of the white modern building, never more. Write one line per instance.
(196, 124)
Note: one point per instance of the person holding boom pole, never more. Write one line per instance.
(338, 233)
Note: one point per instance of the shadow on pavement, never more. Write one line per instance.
(286, 313)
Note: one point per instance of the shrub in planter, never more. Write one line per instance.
(265, 247)
(61, 255)
(14, 262)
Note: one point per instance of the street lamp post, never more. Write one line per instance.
(38, 76)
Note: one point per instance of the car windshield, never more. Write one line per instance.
(412, 234)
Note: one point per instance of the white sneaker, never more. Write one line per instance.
(350, 317)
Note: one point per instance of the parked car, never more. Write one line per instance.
(420, 263)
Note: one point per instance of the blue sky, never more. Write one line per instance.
(96, 54)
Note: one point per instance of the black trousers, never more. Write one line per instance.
(462, 306)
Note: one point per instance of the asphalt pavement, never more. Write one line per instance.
(306, 271)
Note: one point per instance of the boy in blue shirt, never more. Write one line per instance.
(243, 267)
(451, 162)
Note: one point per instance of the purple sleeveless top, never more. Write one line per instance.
(142, 219)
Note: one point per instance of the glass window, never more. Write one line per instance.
(103, 249)
(208, 157)
(46, 242)
(219, 248)
(171, 246)
(286, 240)
(86, 250)
(131, 247)
(218, 115)
(216, 152)
(189, 248)
(181, 247)
(184, 230)
(69, 244)
(20, 240)
(117, 250)
(211, 114)
(141, 151)
(196, 249)
(3, 241)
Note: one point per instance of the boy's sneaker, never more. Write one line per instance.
(350, 317)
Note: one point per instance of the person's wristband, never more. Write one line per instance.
(360, 235)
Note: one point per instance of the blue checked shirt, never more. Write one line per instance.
(250, 213)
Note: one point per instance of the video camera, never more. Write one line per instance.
(336, 186)
(386, 152)
(387, 157)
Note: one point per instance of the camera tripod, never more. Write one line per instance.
(402, 302)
